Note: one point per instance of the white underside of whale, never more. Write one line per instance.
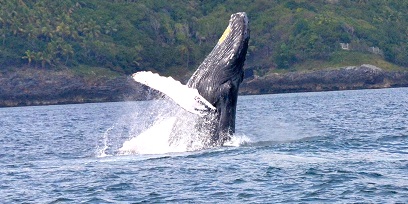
(185, 97)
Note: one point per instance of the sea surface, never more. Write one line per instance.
(327, 147)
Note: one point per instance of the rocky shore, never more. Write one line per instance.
(46, 87)
(25, 87)
(345, 78)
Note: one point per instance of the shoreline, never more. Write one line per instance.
(34, 87)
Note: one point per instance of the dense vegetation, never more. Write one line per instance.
(174, 36)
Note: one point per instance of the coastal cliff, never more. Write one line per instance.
(25, 87)
(344, 78)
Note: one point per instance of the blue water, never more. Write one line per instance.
(344, 147)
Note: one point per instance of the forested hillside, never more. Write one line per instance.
(173, 37)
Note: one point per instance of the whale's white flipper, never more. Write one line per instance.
(187, 98)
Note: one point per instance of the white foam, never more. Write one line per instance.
(237, 140)
(152, 141)
(164, 136)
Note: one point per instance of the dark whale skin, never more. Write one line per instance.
(218, 77)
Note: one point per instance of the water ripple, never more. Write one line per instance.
(341, 147)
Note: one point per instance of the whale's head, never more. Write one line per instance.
(233, 45)
(236, 35)
(225, 62)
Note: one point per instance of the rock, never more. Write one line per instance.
(45, 87)
(353, 77)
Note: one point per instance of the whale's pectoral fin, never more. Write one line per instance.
(185, 97)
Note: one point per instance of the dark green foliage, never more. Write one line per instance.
(284, 57)
(128, 35)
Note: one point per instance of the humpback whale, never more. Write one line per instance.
(213, 87)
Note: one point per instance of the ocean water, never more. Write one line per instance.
(327, 147)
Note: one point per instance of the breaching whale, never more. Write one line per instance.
(213, 88)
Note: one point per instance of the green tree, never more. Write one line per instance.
(284, 57)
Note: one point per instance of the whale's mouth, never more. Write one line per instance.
(238, 26)
(234, 36)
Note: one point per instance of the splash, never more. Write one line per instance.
(101, 151)
(158, 127)
(152, 141)
(168, 134)
(237, 140)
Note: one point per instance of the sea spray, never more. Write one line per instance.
(154, 140)
(101, 151)
(157, 127)
(152, 137)
(173, 134)
(136, 118)
(168, 133)
(237, 140)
